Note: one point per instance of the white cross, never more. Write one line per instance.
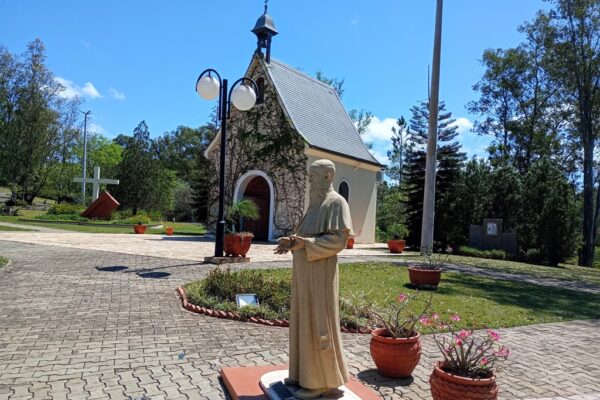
(97, 181)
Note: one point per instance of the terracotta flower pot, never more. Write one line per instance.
(396, 358)
(447, 386)
(139, 228)
(169, 231)
(237, 244)
(350, 243)
(396, 245)
(424, 277)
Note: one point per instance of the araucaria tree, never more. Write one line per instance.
(449, 163)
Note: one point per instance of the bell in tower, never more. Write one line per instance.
(264, 31)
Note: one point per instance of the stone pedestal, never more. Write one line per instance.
(266, 383)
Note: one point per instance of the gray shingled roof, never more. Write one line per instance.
(317, 113)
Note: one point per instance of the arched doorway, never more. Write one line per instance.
(259, 192)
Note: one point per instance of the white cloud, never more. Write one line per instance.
(380, 129)
(89, 90)
(116, 94)
(93, 127)
(464, 125)
(71, 90)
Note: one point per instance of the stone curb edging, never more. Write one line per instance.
(238, 317)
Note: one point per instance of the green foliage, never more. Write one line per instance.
(241, 209)
(397, 232)
(36, 123)
(3, 261)
(144, 181)
(396, 156)
(273, 294)
(65, 208)
(449, 163)
(550, 215)
(473, 252)
(62, 217)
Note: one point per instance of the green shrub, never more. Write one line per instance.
(224, 285)
(65, 208)
(534, 256)
(473, 252)
(62, 217)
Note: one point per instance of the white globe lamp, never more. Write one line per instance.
(208, 87)
(243, 97)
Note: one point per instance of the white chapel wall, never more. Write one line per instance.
(362, 197)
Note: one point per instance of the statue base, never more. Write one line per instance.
(266, 382)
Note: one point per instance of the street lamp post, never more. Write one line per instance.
(84, 167)
(243, 98)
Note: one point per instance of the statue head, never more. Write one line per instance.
(320, 177)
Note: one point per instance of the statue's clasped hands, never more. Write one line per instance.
(289, 243)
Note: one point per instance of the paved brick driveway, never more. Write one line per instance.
(87, 324)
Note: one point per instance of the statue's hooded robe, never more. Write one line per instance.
(316, 353)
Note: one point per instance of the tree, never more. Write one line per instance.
(144, 182)
(396, 155)
(36, 124)
(449, 163)
(520, 102)
(335, 83)
(574, 26)
(179, 149)
(550, 220)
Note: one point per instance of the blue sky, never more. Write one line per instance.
(139, 60)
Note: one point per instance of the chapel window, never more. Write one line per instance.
(344, 190)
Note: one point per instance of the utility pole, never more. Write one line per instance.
(85, 116)
(429, 192)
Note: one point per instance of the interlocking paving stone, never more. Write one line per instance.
(72, 326)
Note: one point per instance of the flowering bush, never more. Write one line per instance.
(397, 318)
(466, 354)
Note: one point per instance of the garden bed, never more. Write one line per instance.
(482, 302)
(103, 224)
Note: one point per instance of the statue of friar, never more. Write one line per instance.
(317, 362)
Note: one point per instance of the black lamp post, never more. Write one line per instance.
(243, 98)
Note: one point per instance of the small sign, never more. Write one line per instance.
(248, 299)
(492, 229)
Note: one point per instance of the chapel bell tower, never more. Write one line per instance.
(264, 31)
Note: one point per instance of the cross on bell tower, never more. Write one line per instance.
(264, 29)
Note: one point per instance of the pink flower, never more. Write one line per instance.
(455, 318)
(402, 298)
(459, 342)
(503, 352)
(448, 349)
(442, 326)
(425, 321)
(435, 316)
(463, 334)
(493, 335)
(484, 361)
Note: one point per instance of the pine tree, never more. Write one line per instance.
(449, 164)
(396, 155)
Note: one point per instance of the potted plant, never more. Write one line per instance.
(169, 230)
(427, 273)
(350, 242)
(467, 370)
(395, 343)
(140, 222)
(398, 233)
(238, 243)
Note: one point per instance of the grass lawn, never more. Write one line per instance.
(564, 271)
(181, 228)
(3, 261)
(10, 228)
(481, 302)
